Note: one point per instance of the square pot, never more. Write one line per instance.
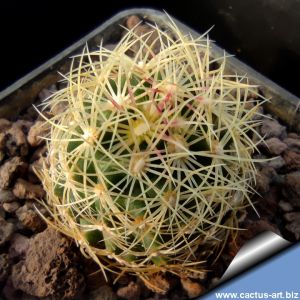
(20, 95)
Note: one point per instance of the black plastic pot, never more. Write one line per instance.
(20, 94)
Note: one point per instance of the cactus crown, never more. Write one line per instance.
(150, 159)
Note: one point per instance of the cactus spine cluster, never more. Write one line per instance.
(150, 159)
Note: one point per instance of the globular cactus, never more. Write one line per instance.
(150, 159)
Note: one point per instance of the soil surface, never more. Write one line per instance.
(36, 262)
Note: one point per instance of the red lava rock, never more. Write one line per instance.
(285, 206)
(143, 29)
(264, 178)
(18, 246)
(292, 188)
(38, 153)
(32, 178)
(292, 159)
(4, 266)
(254, 227)
(33, 167)
(29, 217)
(4, 124)
(131, 292)
(6, 231)
(49, 268)
(293, 143)
(2, 155)
(110, 46)
(272, 128)
(259, 114)
(105, 292)
(10, 292)
(193, 289)
(275, 146)
(94, 279)
(24, 125)
(27, 190)
(16, 142)
(58, 108)
(2, 212)
(7, 196)
(37, 161)
(269, 204)
(276, 163)
(132, 21)
(11, 207)
(38, 130)
(11, 168)
(294, 223)
(2, 140)
(46, 93)
(158, 284)
(293, 135)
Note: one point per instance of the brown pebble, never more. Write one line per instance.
(285, 206)
(37, 165)
(11, 207)
(27, 190)
(294, 223)
(193, 289)
(130, 292)
(2, 212)
(110, 46)
(264, 178)
(276, 162)
(272, 128)
(9, 291)
(275, 146)
(292, 188)
(18, 245)
(4, 266)
(2, 155)
(38, 153)
(2, 141)
(49, 268)
(292, 159)
(105, 292)
(4, 125)
(254, 228)
(148, 33)
(132, 21)
(7, 196)
(292, 216)
(29, 217)
(293, 135)
(158, 284)
(16, 141)
(259, 113)
(11, 168)
(214, 282)
(37, 131)
(6, 231)
(46, 93)
(293, 143)
(58, 108)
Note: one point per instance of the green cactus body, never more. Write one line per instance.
(152, 154)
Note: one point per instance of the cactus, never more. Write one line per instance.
(150, 159)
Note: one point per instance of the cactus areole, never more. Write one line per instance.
(149, 160)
